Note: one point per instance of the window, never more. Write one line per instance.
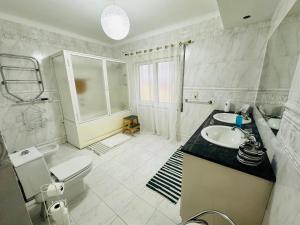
(146, 80)
(164, 72)
(156, 81)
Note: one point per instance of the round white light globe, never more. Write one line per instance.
(115, 22)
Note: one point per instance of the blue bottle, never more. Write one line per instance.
(239, 121)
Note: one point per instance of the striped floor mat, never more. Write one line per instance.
(167, 181)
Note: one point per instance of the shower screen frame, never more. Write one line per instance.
(67, 55)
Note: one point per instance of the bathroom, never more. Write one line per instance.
(206, 79)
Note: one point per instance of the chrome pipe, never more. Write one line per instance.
(196, 218)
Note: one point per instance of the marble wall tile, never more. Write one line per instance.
(290, 127)
(24, 40)
(284, 203)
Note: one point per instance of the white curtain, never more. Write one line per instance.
(155, 82)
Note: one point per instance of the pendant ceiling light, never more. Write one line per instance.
(115, 22)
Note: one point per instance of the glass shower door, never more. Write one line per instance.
(117, 85)
(90, 87)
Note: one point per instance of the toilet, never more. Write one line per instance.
(71, 173)
(33, 172)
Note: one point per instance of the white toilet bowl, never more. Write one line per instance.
(71, 173)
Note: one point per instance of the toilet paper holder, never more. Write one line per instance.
(53, 208)
(48, 191)
(59, 213)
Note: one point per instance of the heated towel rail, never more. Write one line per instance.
(8, 83)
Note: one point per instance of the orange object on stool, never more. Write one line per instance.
(131, 124)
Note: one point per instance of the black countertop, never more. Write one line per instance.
(199, 147)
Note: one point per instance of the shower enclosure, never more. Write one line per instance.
(94, 95)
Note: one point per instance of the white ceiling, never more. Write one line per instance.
(82, 17)
(232, 11)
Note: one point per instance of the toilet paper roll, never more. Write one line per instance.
(50, 191)
(55, 189)
(59, 213)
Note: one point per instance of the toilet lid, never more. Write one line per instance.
(71, 167)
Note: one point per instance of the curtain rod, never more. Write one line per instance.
(157, 48)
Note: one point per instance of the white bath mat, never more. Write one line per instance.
(101, 147)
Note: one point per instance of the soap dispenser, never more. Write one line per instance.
(227, 106)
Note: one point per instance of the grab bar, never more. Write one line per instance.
(196, 218)
(210, 102)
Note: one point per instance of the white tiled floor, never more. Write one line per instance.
(116, 193)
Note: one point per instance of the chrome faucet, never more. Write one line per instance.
(248, 135)
(244, 111)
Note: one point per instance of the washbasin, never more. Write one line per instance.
(229, 118)
(223, 136)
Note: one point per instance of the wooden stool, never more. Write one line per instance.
(131, 124)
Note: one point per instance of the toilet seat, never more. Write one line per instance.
(71, 168)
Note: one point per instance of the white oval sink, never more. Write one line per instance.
(229, 118)
(223, 136)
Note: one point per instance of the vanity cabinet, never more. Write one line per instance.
(213, 179)
(94, 95)
(208, 185)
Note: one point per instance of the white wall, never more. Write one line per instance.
(221, 65)
(24, 40)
